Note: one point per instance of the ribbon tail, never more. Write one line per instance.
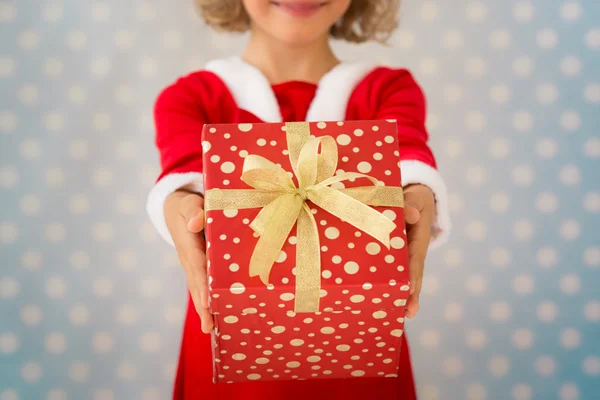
(274, 236)
(308, 263)
(217, 199)
(355, 213)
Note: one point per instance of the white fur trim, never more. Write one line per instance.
(334, 91)
(248, 86)
(417, 172)
(192, 181)
(252, 91)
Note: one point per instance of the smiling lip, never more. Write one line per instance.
(299, 8)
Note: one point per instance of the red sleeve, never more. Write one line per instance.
(394, 94)
(180, 112)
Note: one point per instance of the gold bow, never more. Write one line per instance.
(283, 204)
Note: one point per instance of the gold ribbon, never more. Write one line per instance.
(283, 205)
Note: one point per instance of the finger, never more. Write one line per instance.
(192, 210)
(194, 263)
(411, 214)
(206, 319)
(413, 302)
(419, 237)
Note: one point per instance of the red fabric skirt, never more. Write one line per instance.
(194, 377)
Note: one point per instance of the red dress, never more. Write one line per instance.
(231, 91)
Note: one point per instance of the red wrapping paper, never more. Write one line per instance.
(364, 286)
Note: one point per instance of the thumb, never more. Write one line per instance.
(192, 210)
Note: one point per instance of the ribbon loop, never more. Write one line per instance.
(283, 205)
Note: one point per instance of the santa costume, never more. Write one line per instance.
(232, 91)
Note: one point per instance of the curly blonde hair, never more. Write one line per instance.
(365, 20)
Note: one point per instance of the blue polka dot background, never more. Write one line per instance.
(92, 300)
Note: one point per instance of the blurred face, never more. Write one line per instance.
(295, 21)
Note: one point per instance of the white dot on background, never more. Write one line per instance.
(56, 394)
(8, 12)
(547, 257)
(126, 371)
(76, 94)
(55, 177)
(53, 12)
(124, 95)
(547, 39)
(56, 287)
(476, 391)
(523, 66)
(452, 366)
(100, 12)
(499, 202)
(452, 39)
(546, 202)
(591, 311)
(453, 93)
(570, 66)
(31, 315)
(546, 148)
(31, 259)
(79, 315)
(31, 372)
(55, 232)
(570, 338)
(545, 365)
(78, 149)
(570, 230)
(171, 39)
(592, 38)
(500, 93)
(100, 66)
(592, 93)
(151, 394)
(523, 229)
(475, 175)
(124, 39)
(151, 287)
(126, 149)
(79, 259)
(405, 39)
(499, 366)
(523, 11)
(79, 204)
(8, 176)
(547, 311)
(570, 284)
(454, 148)
(103, 394)
(53, 66)
(591, 147)
(28, 40)
(8, 121)
(591, 202)
(28, 94)
(54, 121)
(500, 39)
(429, 11)
(453, 257)
(127, 315)
(568, 391)
(31, 149)
(500, 311)
(9, 231)
(102, 176)
(476, 284)
(429, 66)
(430, 339)
(522, 175)
(591, 257)
(477, 11)
(500, 257)
(547, 93)
(523, 284)
(522, 121)
(430, 392)
(103, 287)
(9, 288)
(475, 66)
(453, 312)
(7, 66)
(570, 11)
(102, 232)
(148, 67)
(150, 342)
(476, 230)
(76, 40)
(476, 339)
(9, 343)
(56, 343)
(455, 202)
(522, 391)
(475, 121)
(522, 339)
(591, 366)
(79, 371)
(102, 342)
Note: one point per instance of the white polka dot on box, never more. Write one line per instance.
(355, 318)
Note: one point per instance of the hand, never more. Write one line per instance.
(184, 215)
(419, 214)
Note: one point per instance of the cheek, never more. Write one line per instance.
(257, 9)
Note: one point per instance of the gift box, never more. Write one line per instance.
(306, 249)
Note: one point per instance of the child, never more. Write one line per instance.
(288, 72)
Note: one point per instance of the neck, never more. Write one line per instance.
(281, 62)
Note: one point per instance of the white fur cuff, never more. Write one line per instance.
(192, 181)
(417, 172)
